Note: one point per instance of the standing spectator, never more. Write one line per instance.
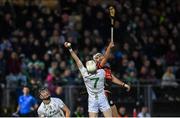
(27, 104)
(144, 113)
(122, 112)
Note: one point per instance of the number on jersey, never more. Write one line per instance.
(96, 80)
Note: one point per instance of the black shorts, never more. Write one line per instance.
(109, 97)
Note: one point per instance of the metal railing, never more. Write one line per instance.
(154, 96)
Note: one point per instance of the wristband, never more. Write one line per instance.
(70, 49)
(123, 85)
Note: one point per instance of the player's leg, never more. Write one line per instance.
(93, 114)
(104, 106)
(107, 113)
(93, 107)
(112, 105)
(114, 111)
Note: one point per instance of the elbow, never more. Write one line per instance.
(68, 112)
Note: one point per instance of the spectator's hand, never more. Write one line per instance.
(127, 87)
(67, 45)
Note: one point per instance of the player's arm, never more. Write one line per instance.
(120, 83)
(66, 111)
(107, 54)
(74, 56)
(40, 113)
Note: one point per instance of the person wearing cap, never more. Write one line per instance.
(50, 106)
(94, 82)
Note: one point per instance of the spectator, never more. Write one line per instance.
(122, 112)
(131, 67)
(13, 64)
(2, 64)
(59, 92)
(27, 104)
(144, 113)
(34, 86)
(171, 55)
(39, 32)
(12, 81)
(130, 78)
(22, 79)
(159, 68)
(169, 78)
(79, 112)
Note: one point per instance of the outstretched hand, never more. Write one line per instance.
(67, 45)
(127, 87)
(111, 44)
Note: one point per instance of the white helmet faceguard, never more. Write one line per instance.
(96, 56)
(91, 66)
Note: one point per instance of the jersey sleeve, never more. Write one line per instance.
(103, 73)
(60, 103)
(40, 113)
(83, 71)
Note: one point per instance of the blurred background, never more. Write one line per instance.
(147, 42)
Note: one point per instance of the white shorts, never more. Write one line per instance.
(99, 103)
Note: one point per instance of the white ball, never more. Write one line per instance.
(69, 44)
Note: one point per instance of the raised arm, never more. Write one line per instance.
(73, 54)
(107, 54)
(120, 83)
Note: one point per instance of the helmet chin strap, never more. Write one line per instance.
(48, 98)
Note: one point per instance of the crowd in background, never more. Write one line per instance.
(146, 36)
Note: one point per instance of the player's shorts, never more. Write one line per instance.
(99, 103)
(109, 98)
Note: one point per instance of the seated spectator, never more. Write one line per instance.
(27, 104)
(131, 67)
(12, 81)
(22, 79)
(122, 112)
(2, 64)
(59, 92)
(13, 64)
(130, 78)
(79, 112)
(169, 78)
(144, 113)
